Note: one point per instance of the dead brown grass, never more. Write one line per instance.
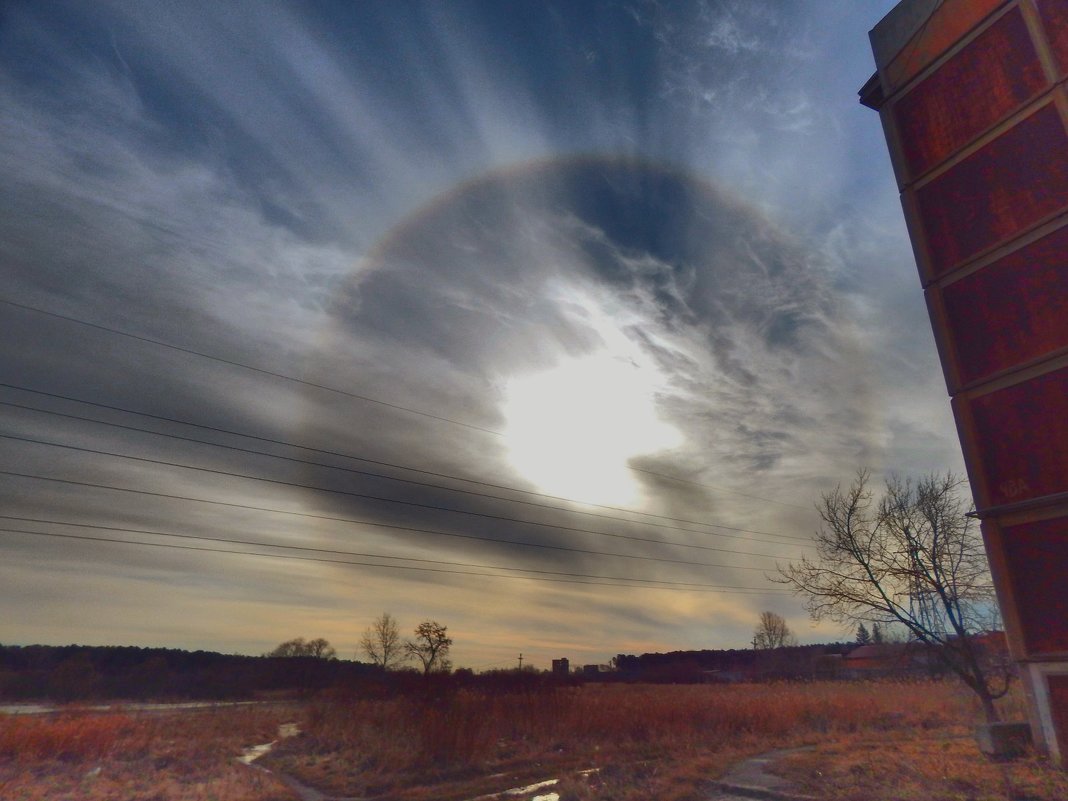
(898, 741)
(664, 741)
(71, 737)
(180, 756)
(935, 764)
(944, 766)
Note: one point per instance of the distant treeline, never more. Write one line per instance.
(84, 673)
(791, 662)
(77, 672)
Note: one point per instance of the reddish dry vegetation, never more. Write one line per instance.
(662, 742)
(893, 741)
(921, 767)
(186, 756)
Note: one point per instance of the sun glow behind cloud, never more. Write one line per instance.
(573, 428)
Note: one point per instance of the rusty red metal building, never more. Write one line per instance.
(973, 102)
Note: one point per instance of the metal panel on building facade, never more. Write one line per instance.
(926, 42)
(988, 85)
(997, 192)
(1036, 556)
(1020, 434)
(1011, 312)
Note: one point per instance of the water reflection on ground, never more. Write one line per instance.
(45, 709)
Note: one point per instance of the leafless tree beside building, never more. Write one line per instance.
(913, 558)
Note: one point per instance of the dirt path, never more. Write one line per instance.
(750, 779)
(746, 780)
(302, 791)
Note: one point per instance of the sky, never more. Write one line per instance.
(548, 321)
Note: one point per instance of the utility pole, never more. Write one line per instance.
(521, 661)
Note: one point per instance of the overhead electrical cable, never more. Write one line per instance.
(253, 368)
(372, 523)
(400, 479)
(334, 552)
(382, 498)
(326, 388)
(202, 549)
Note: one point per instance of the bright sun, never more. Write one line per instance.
(572, 429)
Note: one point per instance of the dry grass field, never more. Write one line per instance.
(179, 756)
(646, 742)
(923, 766)
(895, 741)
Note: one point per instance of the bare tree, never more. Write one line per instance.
(772, 632)
(914, 558)
(318, 648)
(382, 642)
(431, 647)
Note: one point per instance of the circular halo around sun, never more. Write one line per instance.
(594, 313)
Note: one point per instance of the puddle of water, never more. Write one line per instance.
(44, 709)
(25, 709)
(525, 792)
(254, 752)
(530, 788)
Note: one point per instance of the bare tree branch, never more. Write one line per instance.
(431, 647)
(772, 632)
(914, 558)
(381, 642)
(318, 648)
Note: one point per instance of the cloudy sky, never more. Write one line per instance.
(548, 321)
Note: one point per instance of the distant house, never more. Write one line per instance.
(880, 659)
(896, 658)
(561, 667)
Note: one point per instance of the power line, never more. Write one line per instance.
(234, 363)
(326, 388)
(202, 549)
(381, 498)
(396, 466)
(256, 543)
(373, 474)
(391, 526)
